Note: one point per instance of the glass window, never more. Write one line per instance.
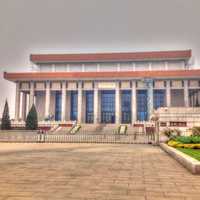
(159, 99)
(142, 107)
(89, 106)
(194, 97)
(58, 106)
(74, 105)
(108, 106)
(126, 106)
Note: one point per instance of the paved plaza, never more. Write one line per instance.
(92, 171)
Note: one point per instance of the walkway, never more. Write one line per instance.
(92, 171)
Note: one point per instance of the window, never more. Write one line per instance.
(142, 109)
(58, 106)
(159, 98)
(126, 106)
(89, 106)
(74, 105)
(108, 106)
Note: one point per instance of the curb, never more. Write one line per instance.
(188, 162)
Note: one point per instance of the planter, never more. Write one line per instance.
(188, 162)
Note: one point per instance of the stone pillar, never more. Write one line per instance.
(80, 96)
(31, 97)
(64, 101)
(117, 104)
(68, 105)
(186, 93)
(168, 94)
(83, 107)
(150, 97)
(134, 103)
(24, 100)
(96, 104)
(47, 99)
(17, 101)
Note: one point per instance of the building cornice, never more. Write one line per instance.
(186, 74)
(112, 57)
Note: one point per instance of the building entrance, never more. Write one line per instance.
(142, 105)
(74, 105)
(58, 103)
(89, 95)
(126, 106)
(108, 106)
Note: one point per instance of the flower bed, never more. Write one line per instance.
(185, 149)
(189, 145)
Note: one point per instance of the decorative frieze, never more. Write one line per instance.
(159, 84)
(40, 86)
(56, 86)
(194, 83)
(177, 84)
(88, 85)
(106, 85)
(24, 86)
(72, 85)
(125, 85)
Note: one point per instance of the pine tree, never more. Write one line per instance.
(5, 122)
(32, 119)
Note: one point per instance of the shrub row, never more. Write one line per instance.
(188, 139)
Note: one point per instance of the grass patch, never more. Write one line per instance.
(194, 153)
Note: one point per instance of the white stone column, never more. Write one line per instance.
(80, 103)
(96, 104)
(150, 97)
(186, 93)
(117, 104)
(64, 101)
(168, 94)
(31, 97)
(17, 101)
(68, 105)
(134, 102)
(24, 100)
(47, 99)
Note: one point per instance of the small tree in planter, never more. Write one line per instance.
(32, 119)
(5, 122)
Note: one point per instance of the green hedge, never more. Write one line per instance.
(188, 139)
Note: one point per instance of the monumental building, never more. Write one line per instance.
(105, 87)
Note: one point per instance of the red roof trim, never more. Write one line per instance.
(94, 57)
(96, 75)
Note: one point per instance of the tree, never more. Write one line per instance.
(32, 119)
(5, 122)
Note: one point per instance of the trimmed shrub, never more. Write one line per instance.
(5, 122)
(184, 139)
(196, 139)
(171, 133)
(32, 119)
(188, 139)
(196, 131)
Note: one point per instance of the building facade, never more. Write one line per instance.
(106, 87)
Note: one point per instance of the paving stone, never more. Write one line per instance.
(93, 172)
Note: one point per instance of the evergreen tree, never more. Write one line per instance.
(32, 119)
(5, 121)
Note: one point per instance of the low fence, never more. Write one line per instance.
(83, 138)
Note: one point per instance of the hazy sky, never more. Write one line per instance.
(55, 26)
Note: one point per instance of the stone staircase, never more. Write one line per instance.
(61, 130)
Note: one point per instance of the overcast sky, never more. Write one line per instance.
(65, 26)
